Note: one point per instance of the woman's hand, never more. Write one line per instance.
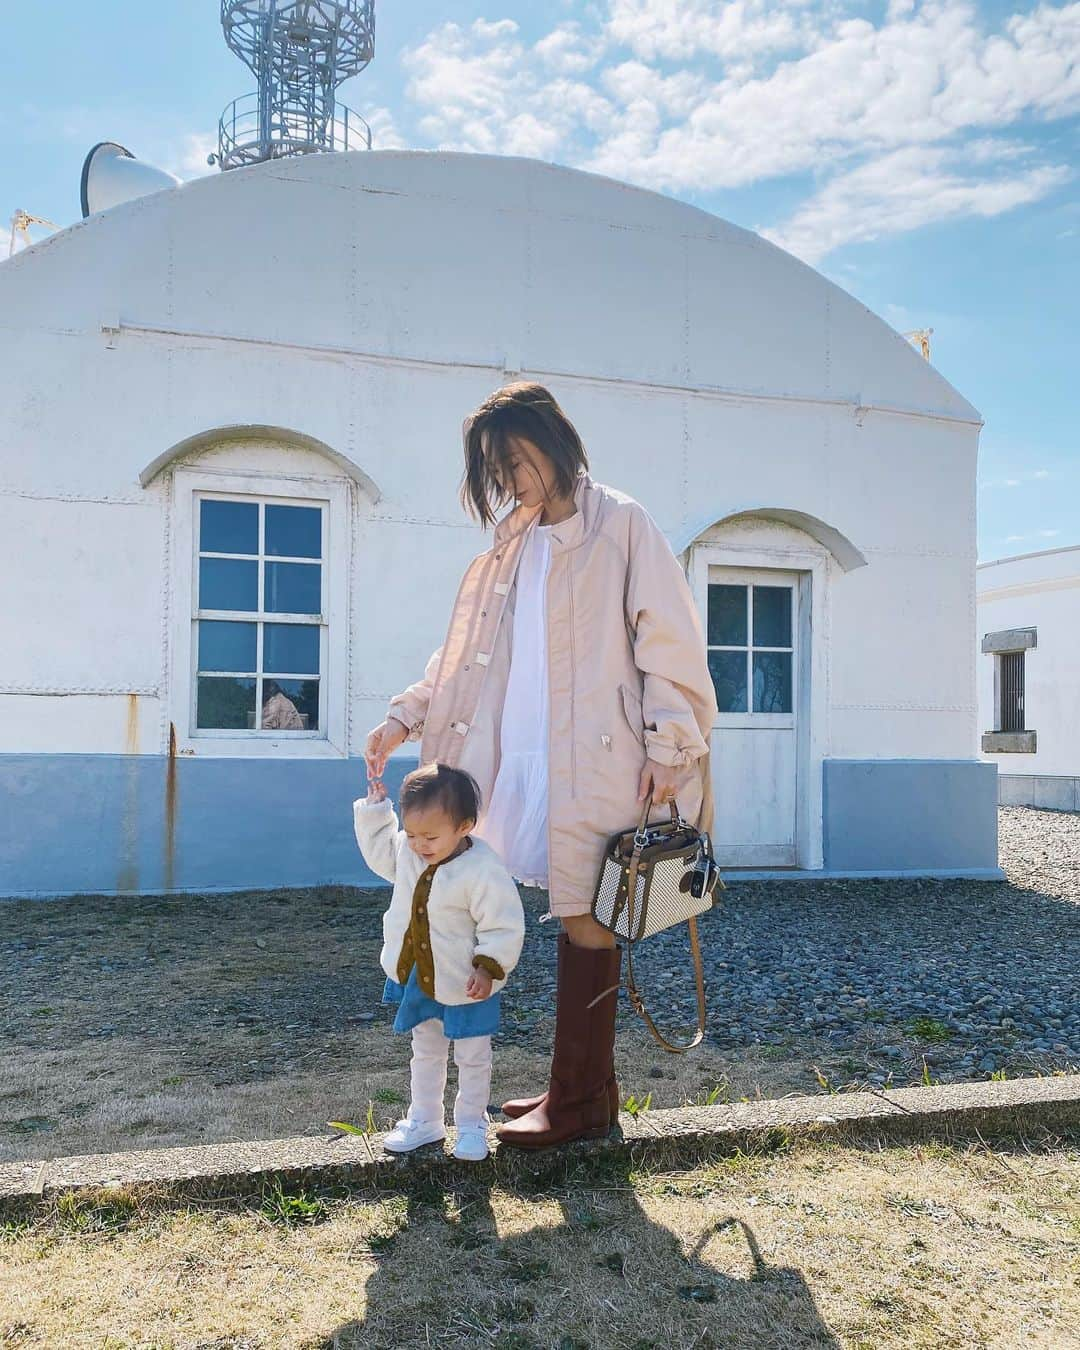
(662, 781)
(380, 743)
(479, 985)
(376, 791)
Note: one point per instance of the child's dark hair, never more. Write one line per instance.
(525, 411)
(454, 790)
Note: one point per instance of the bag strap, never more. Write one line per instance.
(695, 949)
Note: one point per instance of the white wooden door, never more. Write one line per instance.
(753, 626)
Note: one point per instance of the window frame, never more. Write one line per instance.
(330, 740)
(781, 579)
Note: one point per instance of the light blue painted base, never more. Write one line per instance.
(115, 824)
(103, 824)
(937, 817)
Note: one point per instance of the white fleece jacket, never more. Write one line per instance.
(474, 908)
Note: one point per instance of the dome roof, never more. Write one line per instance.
(478, 259)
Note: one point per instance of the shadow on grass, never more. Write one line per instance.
(578, 1265)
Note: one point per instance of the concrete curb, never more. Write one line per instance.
(665, 1138)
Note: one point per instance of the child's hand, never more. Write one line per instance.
(479, 985)
(376, 790)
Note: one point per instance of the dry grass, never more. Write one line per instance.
(909, 1247)
(148, 1022)
(106, 1096)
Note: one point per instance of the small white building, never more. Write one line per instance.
(1029, 676)
(230, 454)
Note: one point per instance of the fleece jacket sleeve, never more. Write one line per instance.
(376, 828)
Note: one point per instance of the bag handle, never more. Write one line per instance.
(632, 994)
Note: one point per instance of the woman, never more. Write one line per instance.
(572, 684)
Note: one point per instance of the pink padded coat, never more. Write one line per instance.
(627, 673)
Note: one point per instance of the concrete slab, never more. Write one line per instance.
(1054, 794)
(965, 1110)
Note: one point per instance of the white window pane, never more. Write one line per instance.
(227, 646)
(727, 616)
(225, 703)
(228, 527)
(772, 616)
(291, 648)
(772, 682)
(293, 588)
(228, 583)
(728, 671)
(290, 705)
(294, 531)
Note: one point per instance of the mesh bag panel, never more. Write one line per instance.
(667, 904)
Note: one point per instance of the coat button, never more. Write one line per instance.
(423, 946)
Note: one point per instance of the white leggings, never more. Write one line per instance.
(472, 1055)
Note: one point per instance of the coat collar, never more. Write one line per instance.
(568, 533)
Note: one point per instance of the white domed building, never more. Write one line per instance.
(1029, 676)
(229, 462)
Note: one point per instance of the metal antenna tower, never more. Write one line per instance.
(300, 51)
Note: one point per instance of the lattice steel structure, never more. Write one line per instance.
(300, 51)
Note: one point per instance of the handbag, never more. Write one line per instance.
(651, 878)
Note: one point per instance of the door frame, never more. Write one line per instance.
(812, 702)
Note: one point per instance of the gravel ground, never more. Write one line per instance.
(876, 980)
(972, 977)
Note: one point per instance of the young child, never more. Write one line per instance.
(452, 934)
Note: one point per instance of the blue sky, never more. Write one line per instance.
(924, 156)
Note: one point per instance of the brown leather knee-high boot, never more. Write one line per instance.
(577, 1102)
(521, 1106)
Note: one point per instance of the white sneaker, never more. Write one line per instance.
(409, 1134)
(471, 1144)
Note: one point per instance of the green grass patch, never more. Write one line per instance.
(929, 1029)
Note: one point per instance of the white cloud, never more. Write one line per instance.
(187, 159)
(384, 131)
(902, 122)
(1017, 478)
(901, 191)
(679, 29)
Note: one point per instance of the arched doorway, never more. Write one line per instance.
(762, 580)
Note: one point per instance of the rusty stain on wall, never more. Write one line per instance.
(131, 738)
(127, 878)
(170, 811)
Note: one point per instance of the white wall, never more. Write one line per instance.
(369, 302)
(1041, 591)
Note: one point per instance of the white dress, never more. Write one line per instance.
(516, 821)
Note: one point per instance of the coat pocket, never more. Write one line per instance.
(633, 711)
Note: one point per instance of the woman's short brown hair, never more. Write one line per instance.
(523, 411)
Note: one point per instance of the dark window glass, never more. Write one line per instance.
(290, 705)
(291, 648)
(727, 616)
(228, 527)
(227, 583)
(772, 682)
(772, 616)
(227, 646)
(728, 670)
(225, 704)
(1011, 691)
(293, 588)
(294, 531)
